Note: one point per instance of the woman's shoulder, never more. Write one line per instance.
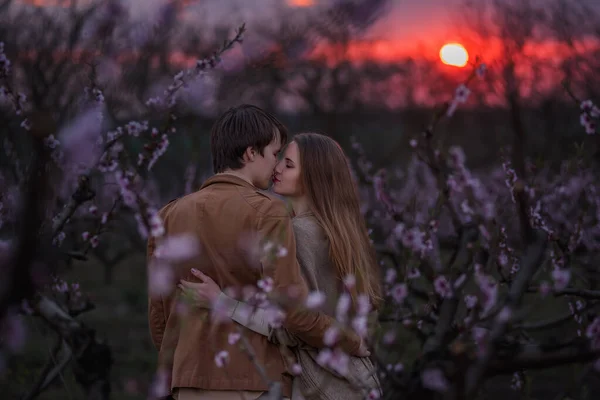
(306, 225)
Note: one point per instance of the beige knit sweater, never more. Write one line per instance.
(315, 382)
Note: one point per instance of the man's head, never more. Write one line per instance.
(247, 139)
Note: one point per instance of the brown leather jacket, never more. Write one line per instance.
(224, 214)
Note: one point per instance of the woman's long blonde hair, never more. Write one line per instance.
(327, 181)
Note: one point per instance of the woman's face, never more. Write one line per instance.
(286, 176)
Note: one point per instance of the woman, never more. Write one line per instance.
(332, 245)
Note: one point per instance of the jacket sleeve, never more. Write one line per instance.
(156, 312)
(308, 325)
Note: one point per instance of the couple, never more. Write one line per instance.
(325, 241)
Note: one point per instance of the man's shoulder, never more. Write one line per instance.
(267, 204)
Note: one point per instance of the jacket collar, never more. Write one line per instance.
(229, 179)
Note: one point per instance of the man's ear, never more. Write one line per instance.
(249, 155)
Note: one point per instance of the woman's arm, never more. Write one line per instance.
(251, 317)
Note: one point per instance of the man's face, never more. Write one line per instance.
(265, 164)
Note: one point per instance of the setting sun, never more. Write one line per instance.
(301, 3)
(454, 54)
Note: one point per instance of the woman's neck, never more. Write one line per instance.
(300, 205)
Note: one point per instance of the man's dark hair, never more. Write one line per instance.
(239, 128)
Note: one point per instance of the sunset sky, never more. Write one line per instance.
(416, 28)
(409, 27)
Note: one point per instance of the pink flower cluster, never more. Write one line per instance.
(589, 116)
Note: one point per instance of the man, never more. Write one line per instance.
(229, 209)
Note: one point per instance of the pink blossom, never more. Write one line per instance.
(85, 235)
(336, 360)
(413, 273)
(220, 312)
(593, 333)
(460, 96)
(588, 106)
(390, 275)
(160, 279)
(561, 278)
(349, 281)
(60, 237)
(470, 301)
(233, 338)
(504, 315)
(275, 316)
(343, 306)
(4, 62)
(434, 379)
(296, 369)
(399, 230)
(282, 252)
(161, 386)
(516, 383)
(481, 69)
(156, 226)
(359, 324)
(545, 288)
(177, 248)
(94, 240)
(79, 139)
(324, 357)
(364, 305)
(331, 336)
(399, 292)
(414, 239)
(266, 284)
(489, 290)
(315, 299)
(221, 359)
(443, 287)
(93, 210)
(389, 337)
(51, 142)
